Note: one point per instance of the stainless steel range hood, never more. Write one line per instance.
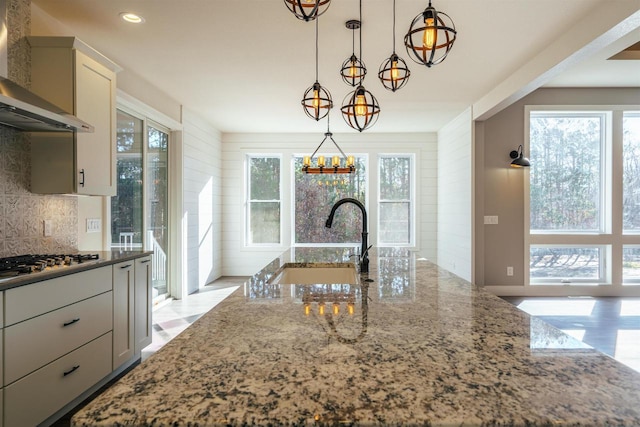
(24, 110)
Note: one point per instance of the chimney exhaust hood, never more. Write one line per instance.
(24, 110)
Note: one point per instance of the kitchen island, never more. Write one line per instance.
(416, 345)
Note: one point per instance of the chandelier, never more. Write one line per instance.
(430, 37)
(307, 10)
(316, 100)
(335, 167)
(394, 73)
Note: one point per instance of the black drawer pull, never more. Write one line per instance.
(71, 322)
(70, 371)
(145, 261)
(125, 266)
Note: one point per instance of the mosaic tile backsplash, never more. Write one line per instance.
(22, 213)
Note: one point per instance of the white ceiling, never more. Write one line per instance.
(244, 65)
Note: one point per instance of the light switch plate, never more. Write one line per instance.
(94, 225)
(491, 219)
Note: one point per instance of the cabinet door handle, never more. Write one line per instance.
(125, 266)
(145, 261)
(82, 177)
(70, 371)
(71, 322)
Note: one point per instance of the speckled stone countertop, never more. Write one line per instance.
(421, 347)
(105, 258)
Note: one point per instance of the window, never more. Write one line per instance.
(566, 184)
(631, 168)
(314, 197)
(584, 194)
(395, 214)
(263, 204)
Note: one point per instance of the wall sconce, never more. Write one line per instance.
(519, 160)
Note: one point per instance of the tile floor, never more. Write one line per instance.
(175, 316)
(611, 325)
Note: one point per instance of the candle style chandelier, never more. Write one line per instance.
(336, 166)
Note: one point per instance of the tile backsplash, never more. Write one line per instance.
(22, 213)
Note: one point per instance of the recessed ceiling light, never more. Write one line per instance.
(132, 17)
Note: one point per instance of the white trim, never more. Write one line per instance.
(564, 290)
(141, 110)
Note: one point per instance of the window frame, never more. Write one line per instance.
(248, 201)
(611, 237)
(411, 201)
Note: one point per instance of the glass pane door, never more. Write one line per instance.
(126, 206)
(157, 177)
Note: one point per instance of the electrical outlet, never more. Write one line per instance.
(509, 271)
(47, 227)
(94, 225)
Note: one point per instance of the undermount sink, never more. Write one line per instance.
(316, 273)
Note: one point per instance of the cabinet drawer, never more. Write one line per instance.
(37, 298)
(36, 342)
(39, 395)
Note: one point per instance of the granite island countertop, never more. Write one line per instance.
(422, 346)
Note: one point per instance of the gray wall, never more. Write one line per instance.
(500, 189)
(22, 213)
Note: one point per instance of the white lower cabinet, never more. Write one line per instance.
(61, 337)
(123, 313)
(143, 300)
(35, 342)
(37, 396)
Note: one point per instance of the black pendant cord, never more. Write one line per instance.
(360, 32)
(317, 19)
(394, 26)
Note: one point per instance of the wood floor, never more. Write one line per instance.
(611, 325)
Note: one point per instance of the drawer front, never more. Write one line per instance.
(40, 394)
(1, 309)
(28, 301)
(36, 342)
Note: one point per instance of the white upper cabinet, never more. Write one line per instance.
(73, 76)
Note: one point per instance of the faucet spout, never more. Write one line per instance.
(364, 251)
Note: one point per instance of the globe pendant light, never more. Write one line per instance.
(430, 37)
(316, 100)
(394, 72)
(360, 108)
(307, 10)
(353, 70)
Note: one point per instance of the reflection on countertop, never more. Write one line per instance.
(416, 345)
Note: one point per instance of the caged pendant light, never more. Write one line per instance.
(316, 100)
(353, 69)
(307, 10)
(430, 37)
(394, 73)
(360, 109)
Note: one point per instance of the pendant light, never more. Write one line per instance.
(316, 100)
(353, 70)
(430, 37)
(336, 167)
(394, 73)
(307, 10)
(360, 108)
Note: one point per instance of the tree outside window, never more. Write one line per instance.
(263, 206)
